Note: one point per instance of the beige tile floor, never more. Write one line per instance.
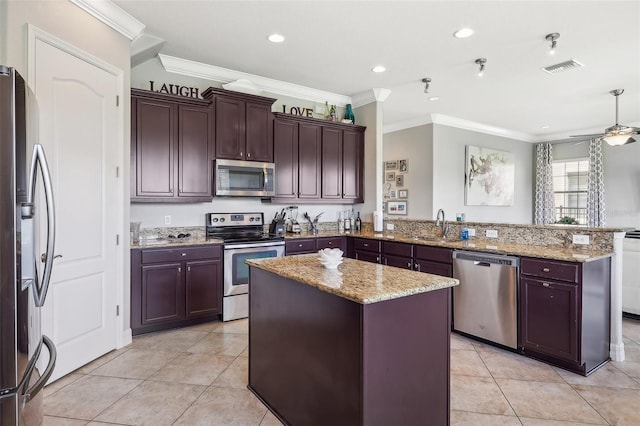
(198, 376)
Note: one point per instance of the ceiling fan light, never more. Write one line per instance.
(617, 140)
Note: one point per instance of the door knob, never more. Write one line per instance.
(43, 257)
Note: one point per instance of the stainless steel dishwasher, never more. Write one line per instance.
(485, 304)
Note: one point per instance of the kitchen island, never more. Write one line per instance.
(365, 344)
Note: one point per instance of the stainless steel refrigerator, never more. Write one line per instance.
(27, 357)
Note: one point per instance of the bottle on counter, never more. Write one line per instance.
(340, 223)
(347, 221)
(358, 226)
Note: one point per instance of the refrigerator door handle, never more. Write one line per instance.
(38, 160)
(42, 380)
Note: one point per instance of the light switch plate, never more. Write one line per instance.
(492, 233)
(167, 220)
(580, 239)
(390, 227)
(472, 232)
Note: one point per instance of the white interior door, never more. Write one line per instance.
(78, 129)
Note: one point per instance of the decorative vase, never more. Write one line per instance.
(332, 113)
(327, 114)
(348, 115)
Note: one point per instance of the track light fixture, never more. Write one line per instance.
(426, 82)
(481, 62)
(553, 38)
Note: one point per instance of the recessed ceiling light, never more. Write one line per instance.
(463, 33)
(378, 68)
(434, 98)
(546, 126)
(276, 38)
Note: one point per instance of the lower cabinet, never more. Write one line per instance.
(312, 245)
(399, 255)
(365, 249)
(433, 260)
(565, 312)
(172, 287)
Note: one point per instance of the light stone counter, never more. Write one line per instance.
(175, 242)
(570, 254)
(355, 280)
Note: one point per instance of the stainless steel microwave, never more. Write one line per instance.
(235, 178)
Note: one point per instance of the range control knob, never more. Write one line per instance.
(222, 219)
(215, 219)
(250, 219)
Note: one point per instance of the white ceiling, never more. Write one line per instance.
(332, 46)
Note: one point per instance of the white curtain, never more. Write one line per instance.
(545, 211)
(596, 215)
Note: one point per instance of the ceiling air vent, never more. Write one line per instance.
(562, 66)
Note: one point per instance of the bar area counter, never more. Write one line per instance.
(365, 344)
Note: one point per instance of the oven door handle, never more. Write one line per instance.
(253, 245)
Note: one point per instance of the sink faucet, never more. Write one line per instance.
(442, 223)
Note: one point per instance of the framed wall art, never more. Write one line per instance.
(399, 180)
(393, 194)
(390, 176)
(391, 165)
(403, 193)
(402, 166)
(489, 177)
(397, 208)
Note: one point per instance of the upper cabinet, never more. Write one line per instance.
(318, 161)
(171, 148)
(244, 125)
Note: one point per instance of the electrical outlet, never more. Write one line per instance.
(472, 232)
(167, 220)
(390, 227)
(492, 233)
(580, 239)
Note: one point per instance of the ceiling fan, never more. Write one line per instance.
(616, 134)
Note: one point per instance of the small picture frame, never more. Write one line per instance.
(391, 165)
(399, 180)
(390, 176)
(397, 208)
(403, 193)
(403, 166)
(393, 194)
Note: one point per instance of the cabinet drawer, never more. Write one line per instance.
(563, 271)
(331, 242)
(181, 253)
(300, 246)
(397, 249)
(367, 256)
(434, 254)
(363, 244)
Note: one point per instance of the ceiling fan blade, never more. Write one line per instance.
(587, 136)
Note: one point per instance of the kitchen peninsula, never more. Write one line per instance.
(362, 344)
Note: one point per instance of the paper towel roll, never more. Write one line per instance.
(377, 221)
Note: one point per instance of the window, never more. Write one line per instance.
(570, 185)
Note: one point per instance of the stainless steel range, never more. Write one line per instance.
(244, 238)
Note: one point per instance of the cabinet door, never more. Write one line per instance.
(309, 160)
(203, 281)
(194, 165)
(367, 256)
(352, 165)
(259, 133)
(285, 156)
(154, 142)
(549, 319)
(398, 262)
(331, 163)
(230, 128)
(300, 246)
(162, 293)
(332, 242)
(435, 268)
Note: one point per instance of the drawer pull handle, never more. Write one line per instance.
(409, 265)
(184, 254)
(546, 269)
(330, 242)
(545, 284)
(299, 245)
(366, 245)
(179, 269)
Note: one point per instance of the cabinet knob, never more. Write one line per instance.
(366, 245)
(300, 245)
(248, 155)
(179, 269)
(188, 268)
(330, 242)
(418, 267)
(184, 254)
(409, 265)
(545, 269)
(545, 284)
(241, 153)
(377, 259)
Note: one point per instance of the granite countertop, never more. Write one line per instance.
(355, 280)
(175, 242)
(475, 244)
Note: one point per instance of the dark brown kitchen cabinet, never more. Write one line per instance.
(365, 249)
(244, 125)
(173, 287)
(312, 245)
(318, 161)
(332, 242)
(397, 254)
(433, 260)
(565, 312)
(171, 140)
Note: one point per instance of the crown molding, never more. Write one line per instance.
(112, 15)
(377, 94)
(480, 127)
(407, 124)
(225, 75)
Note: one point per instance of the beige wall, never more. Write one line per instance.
(64, 20)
